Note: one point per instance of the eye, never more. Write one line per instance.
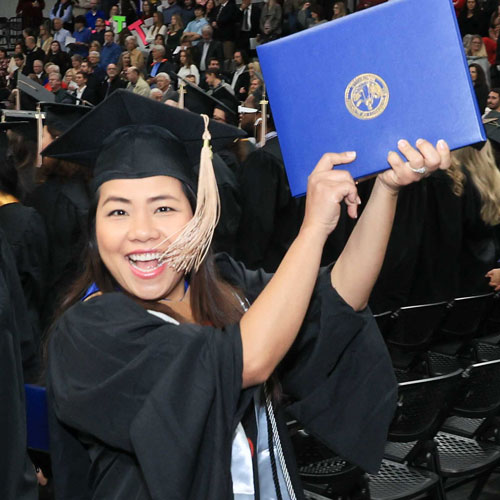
(164, 209)
(117, 213)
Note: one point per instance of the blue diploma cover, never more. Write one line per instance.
(364, 81)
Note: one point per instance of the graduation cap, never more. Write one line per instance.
(491, 123)
(26, 122)
(34, 89)
(197, 100)
(4, 141)
(60, 116)
(128, 136)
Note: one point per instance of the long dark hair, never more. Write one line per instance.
(213, 301)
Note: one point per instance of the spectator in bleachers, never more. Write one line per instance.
(471, 19)
(94, 61)
(480, 86)
(192, 32)
(164, 84)
(270, 21)
(157, 28)
(111, 51)
(156, 94)
(476, 53)
(4, 68)
(225, 26)
(44, 38)
(136, 83)
(57, 56)
(93, 14)
(136, 55)
(95, 46)
(19, 65)
(175, 30)
(83, 93)
(114, 11)
(249, 21)
(208, 48)
(218, 88)
(188, 12)
(32, 53)
(18, 49)
(112, 82)
(97, 33)
(82, 37)
(240, 77)
(63, 10)
(39, 74)
(187, 67)
(490, 43)
(339, 10)
(76, 61)
(55, 83)
(210, 11)
(69, 79)
(160, 64)
(60, 34)
(147, 10)
(31, 12)
(124, 64)
(93, 81)
(168, 10)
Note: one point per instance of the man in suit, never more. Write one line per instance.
(160, 64)
(249, 21)
(163, 83)
(240, 77)
(84, 93)
(111, 83)
(38, 74)
(33, 53)
(226, 26)
(208, 48)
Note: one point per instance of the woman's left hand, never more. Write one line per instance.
(421, 162)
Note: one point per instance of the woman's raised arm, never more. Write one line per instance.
(358, 267)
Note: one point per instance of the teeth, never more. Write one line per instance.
(144, 256)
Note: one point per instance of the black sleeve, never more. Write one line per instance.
(340, 378)
(168, 394)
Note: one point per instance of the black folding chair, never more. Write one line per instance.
(409, 469)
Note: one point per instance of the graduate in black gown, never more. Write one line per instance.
(62, 199)
(24, 230)
(159, 370)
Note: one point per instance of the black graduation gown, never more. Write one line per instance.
(64, 208)
(25, 231)
(18, 474)
(151, 407)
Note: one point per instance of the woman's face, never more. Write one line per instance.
(157, 18)
(113, 11)
(134, 217)
(182, 57)
(336, 9)
(475, 44)
(473, 73)
(54, 47)
(126, 58)
(471, 4)
(210, 4)
(18, 49)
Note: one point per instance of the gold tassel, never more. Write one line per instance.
(189, 249)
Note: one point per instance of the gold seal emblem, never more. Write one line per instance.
(366, 96)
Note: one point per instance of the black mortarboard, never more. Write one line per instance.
(197, 100)
(128, 136)
(34, 89)
(29, 120)
(61, 116)
(4, 141)
(491, 123)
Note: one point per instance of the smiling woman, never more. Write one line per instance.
(166, 369)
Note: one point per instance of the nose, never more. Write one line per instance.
(143, 228)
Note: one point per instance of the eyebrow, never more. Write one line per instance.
(119, 199)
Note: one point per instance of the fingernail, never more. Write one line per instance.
(350, 154)
(358, 200)
(37, 469)
(402, 143)
(441, 144)
(419, 142)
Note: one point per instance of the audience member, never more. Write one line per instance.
(56, 88)
(164, 84)
(83, 93)
(76, 61)
(250, 24)
(44, 38)
(159, 65)
(136, 83)
(97, 34)
(476, 53)
(226, 26)
(193, 30)
(4, 70)
(156, 94)
(169, 9)
(339, 10)
(39, 74)
(157, 28)
(18, 68)
(208, 48)
(18, 49)
(471, 19)
(210, 11)
(57, 56)
(240, 78)
(93, 14)
(136, 56)
(188, 12)
(31, 12)
(93, 80)
(32, 53)
(270, 21)
(480, 86)
(175, 30)
(60, 34)
(82, 37)
(112, 82)
(147, 10)
(63, 10)
(124, 63)
(94, 60)
(218, 88)
(95, 46)
(187, 67)
(111, 51)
